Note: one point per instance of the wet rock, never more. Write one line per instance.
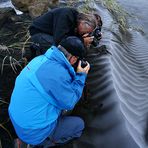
(53, 3)
(35, 7)
(21, 5)
(5, 14)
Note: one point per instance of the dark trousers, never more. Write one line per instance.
(42, 41)
(68, 128)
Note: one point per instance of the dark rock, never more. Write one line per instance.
(5, 14)
(35, 7)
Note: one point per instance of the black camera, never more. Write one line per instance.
(83, 63)
(97, 36)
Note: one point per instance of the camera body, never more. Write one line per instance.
(83, 63)
(97, 36)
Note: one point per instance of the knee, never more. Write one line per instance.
(80, 123)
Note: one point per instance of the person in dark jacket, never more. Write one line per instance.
(59, 23)
(44, 88)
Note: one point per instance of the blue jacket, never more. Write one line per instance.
(46, 86)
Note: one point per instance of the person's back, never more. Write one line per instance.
(52, 22)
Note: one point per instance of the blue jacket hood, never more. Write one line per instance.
(59, 57)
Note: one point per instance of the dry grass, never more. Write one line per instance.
(118, 13)
(5, 129)
(2, 125)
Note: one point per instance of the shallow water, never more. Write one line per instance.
(7, 3)
(129, 67)
(130, 71)
(118, 83)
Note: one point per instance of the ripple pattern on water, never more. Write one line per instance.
(116, 109)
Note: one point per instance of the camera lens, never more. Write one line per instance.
(83, 63)
(97, 33)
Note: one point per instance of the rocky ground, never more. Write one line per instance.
(14, 48)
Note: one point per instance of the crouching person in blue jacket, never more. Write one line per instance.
(45, 87)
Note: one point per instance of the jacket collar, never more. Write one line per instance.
(56, 55)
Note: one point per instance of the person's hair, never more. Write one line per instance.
(91, 19)
(98, 18)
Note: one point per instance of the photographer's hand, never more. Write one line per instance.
(85, 69)
(87, 39)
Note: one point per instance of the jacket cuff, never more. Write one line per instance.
(81, 38)
(81, 76)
